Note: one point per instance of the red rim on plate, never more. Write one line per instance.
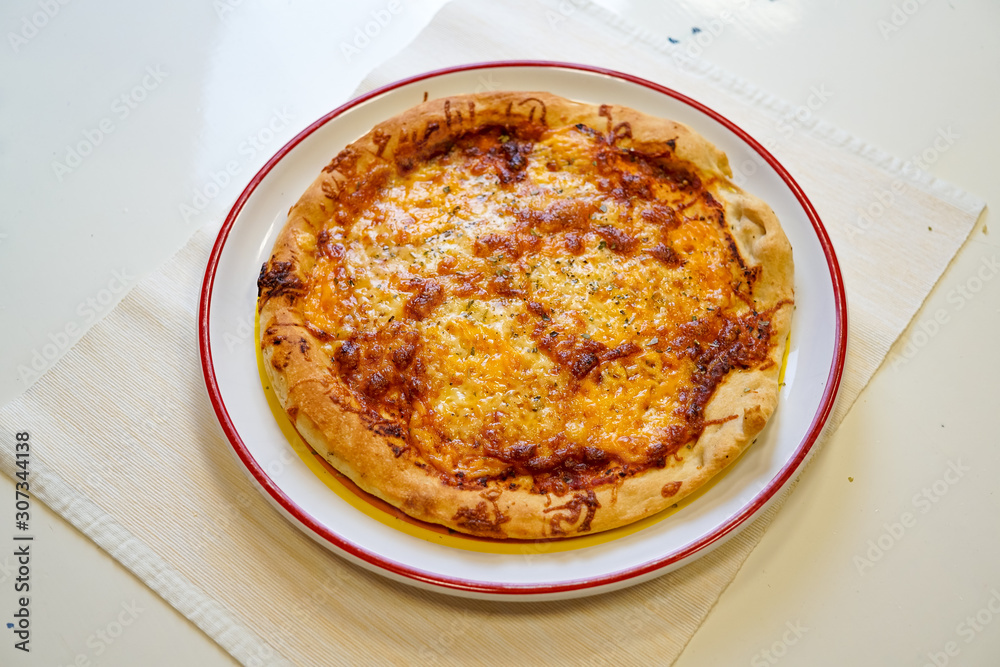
(415, 575)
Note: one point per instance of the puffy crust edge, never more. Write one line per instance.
(325, 414)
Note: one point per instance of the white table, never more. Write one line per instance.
(887, 553)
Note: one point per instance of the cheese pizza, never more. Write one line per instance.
(521, 316)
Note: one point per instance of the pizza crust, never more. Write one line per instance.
(329, 417)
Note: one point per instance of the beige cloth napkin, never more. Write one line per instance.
(128, 450)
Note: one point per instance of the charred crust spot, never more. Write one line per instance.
(303, 346)
(276, 279)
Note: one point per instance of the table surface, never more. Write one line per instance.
(116, 115)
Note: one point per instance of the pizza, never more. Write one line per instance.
(521, 316)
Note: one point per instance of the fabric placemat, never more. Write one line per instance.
(126, 446)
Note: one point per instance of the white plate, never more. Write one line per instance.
(812, 375)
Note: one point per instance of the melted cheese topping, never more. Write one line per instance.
(544, 307)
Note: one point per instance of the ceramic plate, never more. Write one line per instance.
(525, 571)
